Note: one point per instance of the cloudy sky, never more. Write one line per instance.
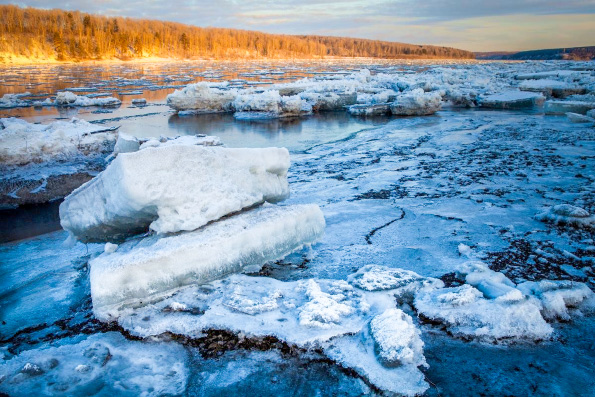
(476, 25)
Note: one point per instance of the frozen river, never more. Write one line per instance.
(422, 193)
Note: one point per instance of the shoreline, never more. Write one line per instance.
(53, 62)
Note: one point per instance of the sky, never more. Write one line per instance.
(476, 25)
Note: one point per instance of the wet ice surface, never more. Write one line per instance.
(395, 192)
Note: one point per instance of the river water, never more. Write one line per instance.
(399, 192)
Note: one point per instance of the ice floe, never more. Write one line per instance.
(268, 105)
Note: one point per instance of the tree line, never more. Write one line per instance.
(72, 35)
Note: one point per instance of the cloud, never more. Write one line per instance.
(469, 24)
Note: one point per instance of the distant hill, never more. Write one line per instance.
(57, 35)
(576, 53)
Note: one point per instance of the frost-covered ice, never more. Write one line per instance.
(416, 103)
(329, 101)
(566, 214)
(150, 266)
(100, 364)
(67, 98)
(202, 98)
(557, 297)
(173, 188)
(512, 100)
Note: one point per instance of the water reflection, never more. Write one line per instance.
(296, 134)
(28, 221)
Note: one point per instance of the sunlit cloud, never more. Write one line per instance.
(470, 24)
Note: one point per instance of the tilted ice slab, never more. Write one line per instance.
(173, 188)
(22, 142)
(416, 103)
(146, 268)
(267, 105)
(359, 328)
(562, 107)
(512, 100)
(579, 118)
(67, 98)
(202, 98)
(566, 214)
(99, 364)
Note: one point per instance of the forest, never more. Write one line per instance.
(60, 35)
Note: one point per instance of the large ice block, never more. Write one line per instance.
(173, 188)
(144, 269)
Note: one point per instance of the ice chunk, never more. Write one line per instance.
(267, 105)
(105, 362)
(566, 214)
(22, 142)
(512, 100)
(563, 107)
(557, 296)
(322, 309)
(152, 266)
(547, 75)
(466, 313)
(67, 98)
(398, 341)
(378, 109)
(202, 98)
(555, 88)
(139, 101)
(173, 188)
(416, 103)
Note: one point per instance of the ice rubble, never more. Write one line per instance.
(566, 214)
(512, 100)
(128, 143)
(83, 367)
(40, 163)
(416, 103)
(202, 98)
(173, 188)
(67, 98)
(147, 267)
